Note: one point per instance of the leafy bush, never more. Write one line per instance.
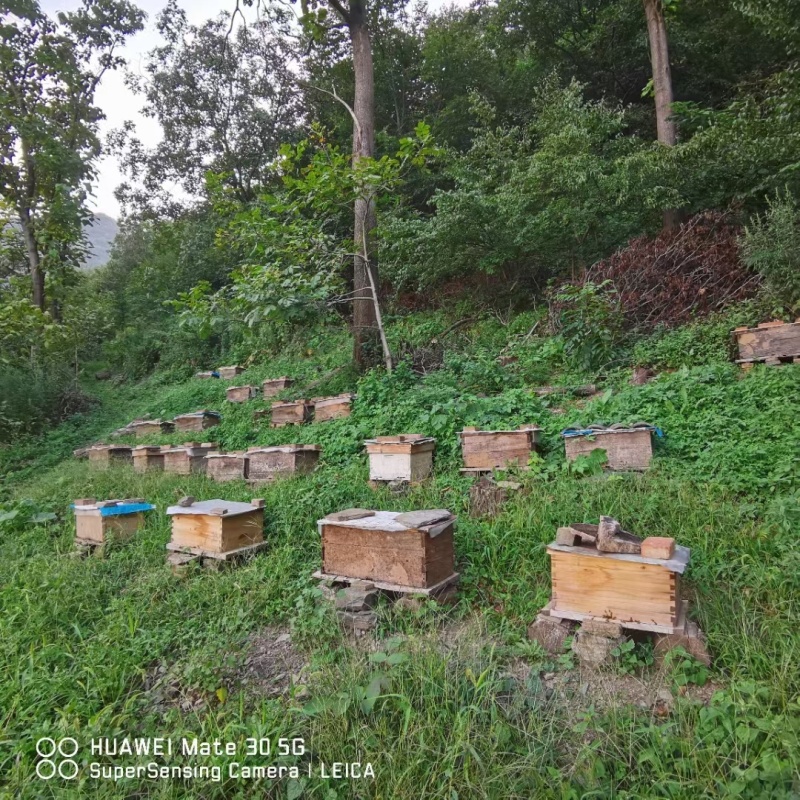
(589, 319)
(771, 246)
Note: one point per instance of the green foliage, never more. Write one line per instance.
(589, 319)
(684, 669)
(771, 246)
(633, 656)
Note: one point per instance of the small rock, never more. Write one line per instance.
(594, 651)
(550, 632)
(284, 637)
(362, 621)
(186, 501)
(601, 627)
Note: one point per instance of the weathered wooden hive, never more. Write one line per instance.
(216, 527)
(241, 394)
(484, 451)
(295, 413)
(188, 459)
(197, 420)
(267, 463)
(274, 386)
(227, 373)
(626, 448)
(392, 549)
(96, 523)
(640, 588)
(148, 458)
(227, 466)
(337, 407)
(150, 427)
(773, 343)
(205, 375)
(407, 457)
(103, 455)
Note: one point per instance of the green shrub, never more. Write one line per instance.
(771, 246)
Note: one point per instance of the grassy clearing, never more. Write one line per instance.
(449, 715)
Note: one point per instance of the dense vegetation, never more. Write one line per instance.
(523, 226)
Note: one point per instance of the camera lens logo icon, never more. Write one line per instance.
(55, 758)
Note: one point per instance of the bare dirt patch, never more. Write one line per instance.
(271, 665)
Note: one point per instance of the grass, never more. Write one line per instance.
(452, 715)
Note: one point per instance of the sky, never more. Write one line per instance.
(117, 101)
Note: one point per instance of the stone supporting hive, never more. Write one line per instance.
(626, 448)
(294, 413)
(396, 551)
(337, 407)
(240, 394)
(188, 459)
(216, 528)
(197, 420)
(484, 451)
(629, 588)
(274, 386)
(267, 463)
(96, 523)
(103, 455)
(406, 457)
(227, 466)
(150, 427)
(148, 458)
(771, 343)
(227, 373)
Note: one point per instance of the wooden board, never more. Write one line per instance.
(267, 464)
(405, 557)
(411, 467)
(230, 372)
(487, 450)
(612, 588)
(429, 591)
(274, 386)
(195, 422)
(769, 341)
(149, 460)
(327, 408)
(105, 455)
(225, 556)
(679, 627)
(94, 528)
(213, 534)
(240, 394)
(626, 450)
(227, 466)
(291, 413)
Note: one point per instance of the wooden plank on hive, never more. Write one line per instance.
(386, 586)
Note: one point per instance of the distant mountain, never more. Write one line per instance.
(100, 233)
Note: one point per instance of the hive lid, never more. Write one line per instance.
(154, 448)
(522, 429)
(677, 563)
(117, 509)
(389, 522)
(286, 448)
(400, 438)
(600, 430)
(206, 507)
(201, 413)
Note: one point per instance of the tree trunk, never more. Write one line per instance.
(365, 329)
(662, 85)
(34, 261)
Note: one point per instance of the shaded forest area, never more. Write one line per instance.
(508, 148)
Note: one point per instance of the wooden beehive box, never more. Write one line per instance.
(96, 523)
(295, 413)
(148, 427)
(407, 457)
(241, 394)
(626, 448)
(197, 420)
(394, 550)
(230, 372)
(103, 455)
(273, 386)
(484, 451)
(148, 458)
(771, 342)
(639, 593)
(326, 408)
(187, 459)
(216, 527)
(227, 466)
(266, 463)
